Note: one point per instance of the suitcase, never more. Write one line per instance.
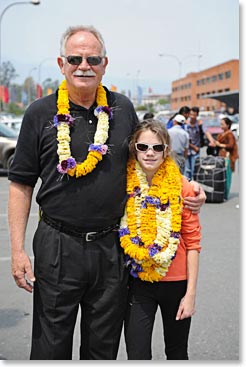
(210, 172)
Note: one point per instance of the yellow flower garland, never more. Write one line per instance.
(150, 228)
(63, 120)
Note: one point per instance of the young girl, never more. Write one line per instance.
(161, 241)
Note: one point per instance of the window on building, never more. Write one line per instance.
(227, 74)
(221, 76)
(214, 78)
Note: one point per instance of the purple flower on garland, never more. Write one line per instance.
(123, 232)
(61, 118)
(105, 109)
(65, 165)
(137, 191)
(152, 201)
(175, 235)
(101, 148)
(133, 266)
(163, 207)
(136, 240)
(154, 249)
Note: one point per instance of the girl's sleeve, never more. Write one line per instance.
(191, 228)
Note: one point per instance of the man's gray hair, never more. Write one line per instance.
(72, 30)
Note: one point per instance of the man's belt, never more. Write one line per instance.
(75, 231)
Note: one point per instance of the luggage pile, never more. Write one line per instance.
(210, 173)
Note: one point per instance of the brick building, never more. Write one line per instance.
(192, 89)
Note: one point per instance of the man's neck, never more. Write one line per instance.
(82, 101)
(84, 98)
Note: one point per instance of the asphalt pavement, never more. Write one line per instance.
(215, 330)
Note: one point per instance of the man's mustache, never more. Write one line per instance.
(84, 73)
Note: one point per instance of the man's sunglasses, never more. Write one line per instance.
(77, 60)
(158, 148)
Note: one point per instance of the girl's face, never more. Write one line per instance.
(150, 160)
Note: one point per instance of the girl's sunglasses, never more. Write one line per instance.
(158, 148)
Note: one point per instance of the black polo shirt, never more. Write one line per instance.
(92, 201)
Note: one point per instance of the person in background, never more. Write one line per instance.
(228, 148)
(193, 129)
(148, 115)
(185, 111)
(179, 141)
(75, 142)
(161, 241)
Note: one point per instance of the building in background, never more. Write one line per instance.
(197, 89)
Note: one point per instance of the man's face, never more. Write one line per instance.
(84, 75)
(193, 116)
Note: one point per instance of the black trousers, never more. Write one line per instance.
(144, 298)
(71, 273)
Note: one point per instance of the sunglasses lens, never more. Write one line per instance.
(94, 60)
(77, 60)
(74, 60)
(158, 148)
(142, 147)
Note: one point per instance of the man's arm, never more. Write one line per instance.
(194, 203)
(20, 198)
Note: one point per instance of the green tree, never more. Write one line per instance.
(7, 73)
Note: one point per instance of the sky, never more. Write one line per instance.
(198, 34)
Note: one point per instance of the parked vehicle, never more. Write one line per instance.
(211, 125)
(8, 141)
(11, 121)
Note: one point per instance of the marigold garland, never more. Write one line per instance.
(150, 228)
(63, 121)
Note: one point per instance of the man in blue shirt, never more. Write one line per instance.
(179, 140)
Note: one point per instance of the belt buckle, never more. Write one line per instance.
(87, 236)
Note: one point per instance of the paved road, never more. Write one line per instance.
(215, 331)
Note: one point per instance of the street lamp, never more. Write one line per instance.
(33, 2)
(177, 59)
(180, 62)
